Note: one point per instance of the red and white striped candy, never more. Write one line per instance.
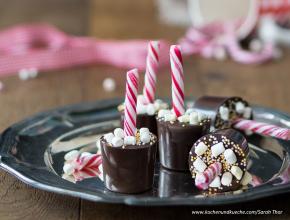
(177, 80)
(152, 63)
(205, 178)
(262, 128)
(131, 102)
(274, 7)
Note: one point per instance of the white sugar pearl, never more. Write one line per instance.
(68, 168)
(117, 142)
(169, 117)
(23, 74)
(199, 165)
(119, 132)
(109, 84)
(129, 140)
(217, 149)
(200, 149)
(150, 109)
(141, 109)
(183, 118)
(247, 178)
(109, 137)
(227, 179)
(72, 155)
(145, 138)
(163, 112)
(230, 156)
(237, 172)
(224, 113)
(201, 116)
(247, 112)
(216, 183)
(240, 107)
(144, 130)
(193, 118)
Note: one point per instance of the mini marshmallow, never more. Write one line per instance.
(193, 118)
(141, 109)
(247, 178)
(237, 172)
(216, 183)
(240, 107)
(199, 165)
(217, 149)
(247, 113)
(230, 156)
(224, 113)
(117, 142)
(85, 154)
(150, 109)
(200, 149)
(163, 112)
(145, 137)
(170, 117)
(144, 130)
(119, 132)
(108, 137)
(227, 179)
(68, 168)
(201, 116)
(183, 118)
(189, 111)
(72, 155)
(130, 140)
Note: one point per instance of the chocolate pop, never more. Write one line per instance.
(218, 161)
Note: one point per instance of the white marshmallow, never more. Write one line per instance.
(188, 111)
(217, 149)
(247, 178)
(237, 172)
(201, 116)
(230, 156)
(119, 132)
(199, 165)
(141, 109)
(227, 179)
(71, 155)
(129, 140)
(240, 107)
(109, 137)
(85, 154)
(144, 130)
(117, 142)
(183, 118)
(145, 137)
(200, 149)
(224, 113)
(170, 117)
(68, 168)
(193, 118)
(141, 99)
(216, 183)
(163, 112)
(247, 113)
(150, 109)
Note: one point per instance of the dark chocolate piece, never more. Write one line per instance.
(129, 169)
(210, 106)
(175, 142)
(231, 139)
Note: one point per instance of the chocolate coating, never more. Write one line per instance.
(236, 138)
(130, 169)
(175, 142)
(210, 105)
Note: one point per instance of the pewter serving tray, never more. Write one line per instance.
(32, 150)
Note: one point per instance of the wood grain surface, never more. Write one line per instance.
(266, 85)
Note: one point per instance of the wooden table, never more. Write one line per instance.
(266, 85)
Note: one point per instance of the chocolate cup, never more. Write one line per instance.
(210, 105)
(175, 142)
(143, 121)
(236, 137)
(128, 170)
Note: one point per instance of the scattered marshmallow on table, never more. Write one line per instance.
(117, 142)
(230, 156)
(227, 179)
(237, 172)
(200, 149)
(119, 132)
(129, 140)
(240, 107)
(224, 113)
(199, 165)
(217, 149)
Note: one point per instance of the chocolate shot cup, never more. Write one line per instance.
(175, 141)
(225, 143)
(128, 169)
(211, 106)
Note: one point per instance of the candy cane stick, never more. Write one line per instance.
(177, 80)
(262, 128)
(203, 180)
(152, 62)
(131, 102)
